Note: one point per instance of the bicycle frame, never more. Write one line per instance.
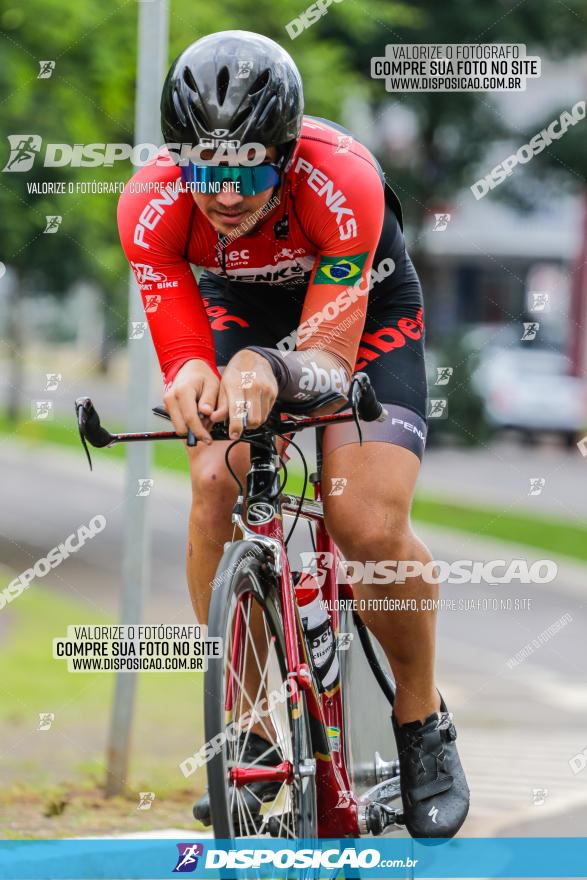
(259, 517)
(338, 810)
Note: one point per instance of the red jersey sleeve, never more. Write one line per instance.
(340, 202)
(154, 223)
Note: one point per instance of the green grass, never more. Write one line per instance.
(54, 789)
(557, 536)
(32, 678)
(32, 681)
(169, 455)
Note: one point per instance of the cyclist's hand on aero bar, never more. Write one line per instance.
(191, 399)
(247, 384)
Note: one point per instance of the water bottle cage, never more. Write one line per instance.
(312, 634)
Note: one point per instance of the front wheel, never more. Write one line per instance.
(247, 691)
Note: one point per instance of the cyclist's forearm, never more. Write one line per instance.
(305, 375)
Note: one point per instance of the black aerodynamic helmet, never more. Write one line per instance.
(237, 85)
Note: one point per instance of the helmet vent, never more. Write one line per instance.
(222, 84)
(260, 82)
(178, 109)
(199, 116)
(268, 110)
(189, 80)
(240, 118)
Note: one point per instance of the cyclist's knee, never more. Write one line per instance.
(213, 486)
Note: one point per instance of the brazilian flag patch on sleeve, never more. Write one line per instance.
(340, 270)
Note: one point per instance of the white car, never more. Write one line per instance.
(530, 389)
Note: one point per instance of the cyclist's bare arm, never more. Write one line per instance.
(192, 397)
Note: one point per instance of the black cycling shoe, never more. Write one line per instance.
(434, 790)
(253, 793)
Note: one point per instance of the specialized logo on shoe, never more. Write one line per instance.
(434, 813)
(340, 270)
(445, 721)
(187, 860)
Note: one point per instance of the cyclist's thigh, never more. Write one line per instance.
(391, 353)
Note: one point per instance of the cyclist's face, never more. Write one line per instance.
(228, 209)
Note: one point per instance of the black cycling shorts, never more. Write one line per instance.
(391, 351)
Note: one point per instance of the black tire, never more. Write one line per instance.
(244, 578)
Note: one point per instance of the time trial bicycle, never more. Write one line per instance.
(305, 784)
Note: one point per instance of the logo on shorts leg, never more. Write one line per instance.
(340, 270)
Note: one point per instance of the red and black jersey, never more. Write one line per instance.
(333, 197)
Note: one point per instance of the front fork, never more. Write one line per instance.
(262, 523)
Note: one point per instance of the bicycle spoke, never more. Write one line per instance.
(279, 733)
(238, 807)
(239, 682)
(251, 703)
(281, 824)
(273, 810)
(251, 792)
(248, 636)
(247, 808)
(259, 759)
(260, 688)
(255, 663)
(234, 611)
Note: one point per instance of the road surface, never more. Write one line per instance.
(519, 728)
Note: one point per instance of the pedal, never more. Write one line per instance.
(383, 792)
(374, 818)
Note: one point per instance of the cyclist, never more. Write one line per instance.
(305, 279)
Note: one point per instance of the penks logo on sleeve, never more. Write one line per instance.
(187, 860)
(340, 270)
